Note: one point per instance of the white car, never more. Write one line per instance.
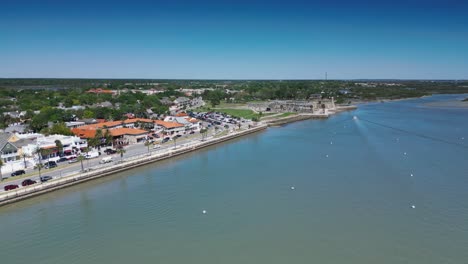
(156, 146)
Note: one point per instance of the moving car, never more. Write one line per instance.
(165, 140)
(91, 155)
(10, 187)
(27, 182)
(18, 172)
(110, 151)
(45, 178)
(106, 160)
(73, 160)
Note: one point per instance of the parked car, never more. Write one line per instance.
(10, 187)
(165, 140)
(50, 165)
(18, 172)
(62, 159)
(27, 182)
(192, 132)
(178, 136)
(110, 151)
(45, 178)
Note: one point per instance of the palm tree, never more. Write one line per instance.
(121, 151)
(239, 125)
(59, 146)
(39, 167)
(38, 152)
(175, 141)
(108, 137)
(98, 138)
(1, 165)
(203, 132)
(80, 158)
(46, 152)
(148, 144)
(24, 160)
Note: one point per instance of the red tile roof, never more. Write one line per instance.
(127, 131)
(168, 124)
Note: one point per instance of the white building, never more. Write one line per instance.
(71, 145)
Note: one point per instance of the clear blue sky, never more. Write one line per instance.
(236, 39)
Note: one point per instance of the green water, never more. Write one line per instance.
(353, 206)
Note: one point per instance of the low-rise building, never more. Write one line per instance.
(8, 151)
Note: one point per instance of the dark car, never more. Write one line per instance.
(110, 151)
(178, 136)
(50, 165)
(165, 140)
(45, 178)
(27, 182)
(10, 187)
(192, 132)
(18, 172)
(62, 159)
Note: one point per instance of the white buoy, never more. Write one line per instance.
(326, 155)
(204, 211)
(355, 117)
(462, 138)
(404, 153)
(411, 174)
(331, 142)
(293, 188)
(413, 206)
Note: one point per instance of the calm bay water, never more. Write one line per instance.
(352, 206)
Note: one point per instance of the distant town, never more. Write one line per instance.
(49, 122)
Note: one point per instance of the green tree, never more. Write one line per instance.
(98, 137)
(39, 168)
(148, 144)
(59, 146)
(46, 152)
(204, 132)
(81, 158)
(60, 129)
(1, 165)
(108, 137)
(121, 151)
(88, 114)
(24, 160)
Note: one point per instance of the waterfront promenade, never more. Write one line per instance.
(118, 165)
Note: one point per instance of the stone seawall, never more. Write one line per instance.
(290, 119)
(32, 191)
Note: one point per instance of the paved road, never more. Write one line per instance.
(64, 169)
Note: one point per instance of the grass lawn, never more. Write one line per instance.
(285, 115)
(244, 113)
